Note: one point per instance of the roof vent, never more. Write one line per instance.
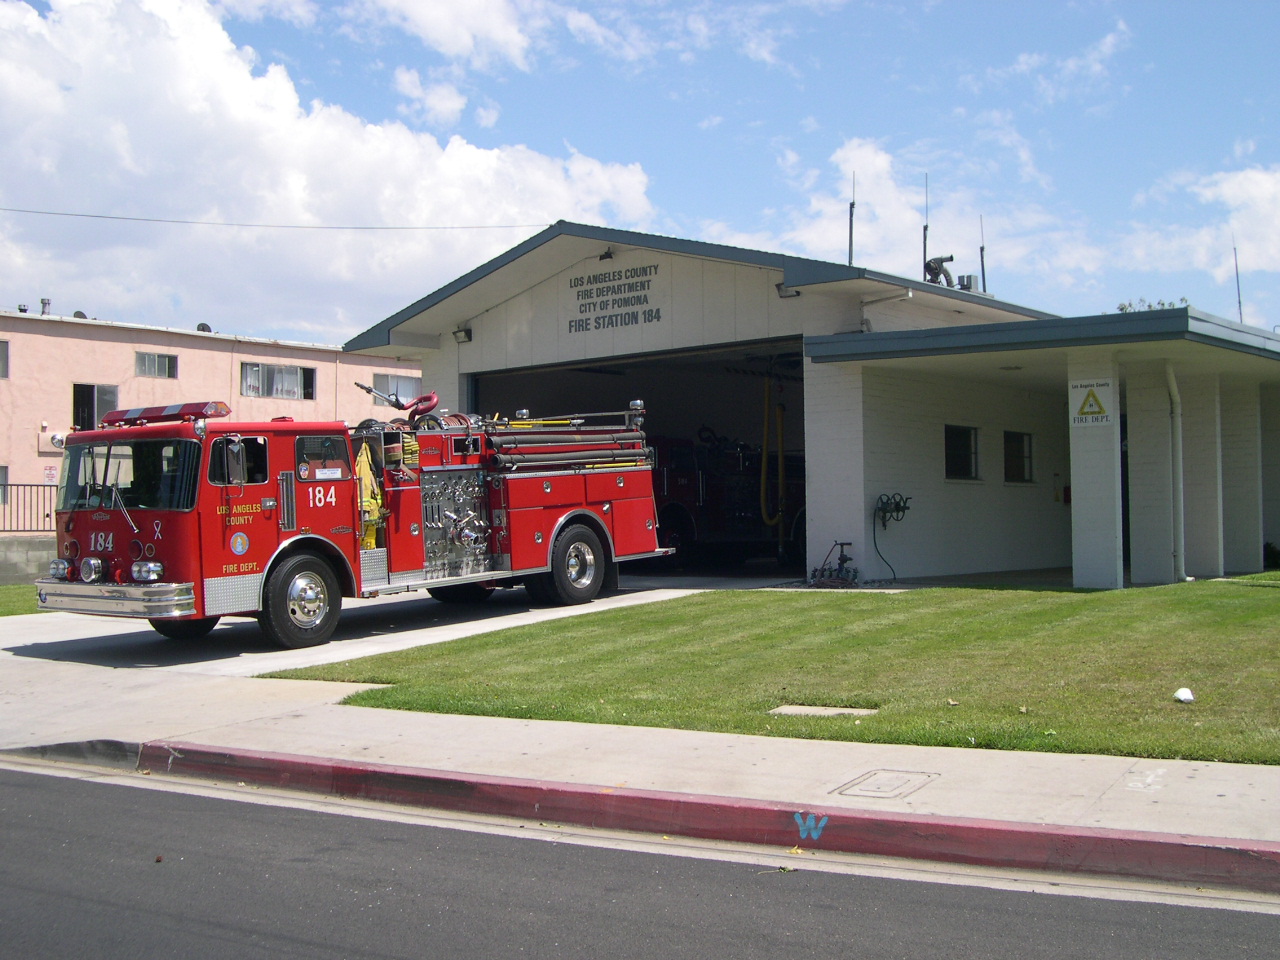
(44, 306)
(203, 328)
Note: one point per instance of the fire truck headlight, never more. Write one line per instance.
(148, 570)
(91, 569)
(59, 569)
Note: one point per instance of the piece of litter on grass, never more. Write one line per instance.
(952, 703)
(1022, 709)
(1183, 695)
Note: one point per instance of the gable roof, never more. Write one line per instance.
(563, 243)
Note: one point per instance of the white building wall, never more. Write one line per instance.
(635, 303)
(1150, 474)
(1269, 415)
(835, 489)
(958, 526)
(1202, 474)
(1241, 479)
(1097, 552)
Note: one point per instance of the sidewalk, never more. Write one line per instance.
(1187, 822)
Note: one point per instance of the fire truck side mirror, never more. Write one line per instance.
(235, 471)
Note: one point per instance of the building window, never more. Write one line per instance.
(156, 365)
(961, 452)
(4, 359)
(403, 388)
(90, 402)
(277, 380)
(1017, 457)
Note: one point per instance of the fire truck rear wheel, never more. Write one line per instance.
(577, 565)
(303, 602)
(461, 593)
(184, 629)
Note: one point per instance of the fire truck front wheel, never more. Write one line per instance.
(185, 629)
(303, 602)
(577, 565)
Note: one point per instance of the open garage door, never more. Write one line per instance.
(727, 428)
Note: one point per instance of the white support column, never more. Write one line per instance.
(1151, 527)
(1093, 406)
(1241, 479)
(835, 485)
(1202, 474)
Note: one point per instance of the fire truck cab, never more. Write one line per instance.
(179, 516)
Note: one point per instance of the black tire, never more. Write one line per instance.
(302, 603)
(541, 590)
(577, 565)
(184, 629)
(461, 593)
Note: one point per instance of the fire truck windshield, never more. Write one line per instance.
(135, 474)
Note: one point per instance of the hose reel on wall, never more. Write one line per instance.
(888, 507)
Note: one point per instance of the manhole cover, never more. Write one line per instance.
(886, 784)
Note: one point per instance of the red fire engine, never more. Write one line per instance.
(178, 516)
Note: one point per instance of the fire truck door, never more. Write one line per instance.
(238, 528)
(326, 494)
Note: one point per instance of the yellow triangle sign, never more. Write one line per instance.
(1092, 406)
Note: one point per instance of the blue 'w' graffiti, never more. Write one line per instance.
(809, 826)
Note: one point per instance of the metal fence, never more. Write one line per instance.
(27, 507)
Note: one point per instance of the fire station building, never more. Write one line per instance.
(1136, 447)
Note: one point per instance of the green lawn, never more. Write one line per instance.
(1076, 672)
(20, 598)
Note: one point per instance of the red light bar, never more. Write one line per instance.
(176, 411)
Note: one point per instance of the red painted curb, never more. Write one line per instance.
(1247, 864)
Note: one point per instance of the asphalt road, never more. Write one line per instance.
(108, 871)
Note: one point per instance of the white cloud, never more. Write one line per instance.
(439, 105)
(997, 126)
(487, 115)
(298, 12)
(1061, 78)
(1026, 243)
(1251, 198)
(710, 123)
(474, 31)
(627, 41)
(149, 110)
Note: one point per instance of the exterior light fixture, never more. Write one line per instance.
(462, 335)
(607, 255)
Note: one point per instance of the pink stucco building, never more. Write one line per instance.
(62, 372)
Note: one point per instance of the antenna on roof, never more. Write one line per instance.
(853, 200)
(926, 224)
(1236, 256)
(982, 252)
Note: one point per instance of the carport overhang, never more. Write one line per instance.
(1034, 354)
(420, 326)
(1190, 525)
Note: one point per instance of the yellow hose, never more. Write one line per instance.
(777, 411)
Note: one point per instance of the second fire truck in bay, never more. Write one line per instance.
(181, 516)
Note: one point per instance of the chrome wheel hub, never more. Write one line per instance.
(308, 600)
(580, 565)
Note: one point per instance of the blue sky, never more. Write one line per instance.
(1110, 150)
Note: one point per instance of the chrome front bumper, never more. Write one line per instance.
(150, 600)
